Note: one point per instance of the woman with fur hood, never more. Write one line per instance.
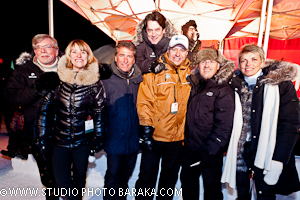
(69, 120)
(265, 129)
(208, 125)
(152, 39)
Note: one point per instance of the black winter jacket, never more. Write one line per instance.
(146, 52)
(277, 73)
(210, 111)
(121, 112)
(20, 91)
(63, 112)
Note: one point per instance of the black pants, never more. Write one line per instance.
(170, 153)
(119, 170)
(243, 186)
(211, 176)
(45, 170)
(67, 161)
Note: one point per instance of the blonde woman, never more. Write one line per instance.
(69, 120)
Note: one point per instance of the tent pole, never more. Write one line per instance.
(50, 18)
(268, 26)
(262, 22)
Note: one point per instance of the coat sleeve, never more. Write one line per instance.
(223, 121)
(19, 91)
(288, 123)
(142, 62)
(45, 118)
(145, 100)
(99, 121)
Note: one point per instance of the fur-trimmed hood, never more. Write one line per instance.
(138, 37)
(276, 72)
(224, 73)
(88, 76)
(23, 58)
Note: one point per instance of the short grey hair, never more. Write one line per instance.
(252, 48)
(39, 37)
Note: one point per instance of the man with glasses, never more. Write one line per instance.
(161, 105)
(34, 78)
(208, 126)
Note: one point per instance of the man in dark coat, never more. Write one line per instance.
(152, 39)
(189, 29)
(264, 134)
(122, 143)
(26, 87)
(208, 125)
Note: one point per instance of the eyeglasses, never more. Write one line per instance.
(47, 47)
(192, 28)
(209, 62)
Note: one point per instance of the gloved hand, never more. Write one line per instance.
(146, 140)
(47, 82)
(208, 159)
(44, 151)
(272, 177)
(97, 144)
(156, 67)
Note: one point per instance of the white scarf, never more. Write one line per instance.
(267, 137)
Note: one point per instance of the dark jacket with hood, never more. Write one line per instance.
(210, 110)
(148, 52)
(121, 113)
(21, 91)
(63, 112)
(276, 73)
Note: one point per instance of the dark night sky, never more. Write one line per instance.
(24, 19)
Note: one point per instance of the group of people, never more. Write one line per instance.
(181, 105)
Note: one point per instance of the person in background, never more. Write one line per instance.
(161, 105)
(7, 111)
(122, 143)
(208, 125)
(35, 77)
(152, 39)
(70, 121)
(265, 129)
(189, 29)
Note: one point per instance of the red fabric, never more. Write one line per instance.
(209, 43)
(287, 50)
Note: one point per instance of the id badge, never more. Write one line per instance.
(89, 126)
(174, 108)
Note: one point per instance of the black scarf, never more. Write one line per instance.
(126, 75)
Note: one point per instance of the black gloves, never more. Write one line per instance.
(146, 139)
(44, 150)
(97, 143)
(156, 67)
(47, 82)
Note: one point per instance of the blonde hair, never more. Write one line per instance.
(83, 47)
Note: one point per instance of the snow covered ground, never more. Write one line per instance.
(20, 179)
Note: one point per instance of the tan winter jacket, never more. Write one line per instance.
(157, 93)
